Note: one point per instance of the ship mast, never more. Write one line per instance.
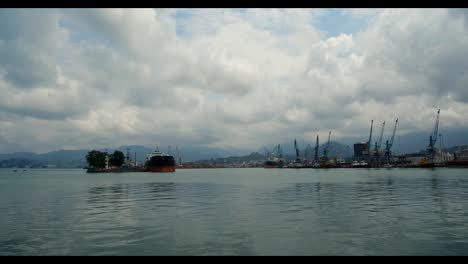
(128, 157)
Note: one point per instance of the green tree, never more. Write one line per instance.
(117, 158)
(96, 159)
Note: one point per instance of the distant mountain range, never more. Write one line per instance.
(59, 158)
(77, 158)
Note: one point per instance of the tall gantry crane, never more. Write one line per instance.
(388, 145)
(381, 137)
(316, 155)
(433, 139)
(378, 144)
(297, 151)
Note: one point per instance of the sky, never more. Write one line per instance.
(225, 78)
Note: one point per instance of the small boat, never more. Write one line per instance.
(359, 164)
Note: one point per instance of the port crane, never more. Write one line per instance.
(388, 145)
(324, 161)
(316, 156)
(297, 151)
(378, 144)
(433, 139)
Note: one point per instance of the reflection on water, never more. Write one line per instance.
(118, 192)
(273, 212)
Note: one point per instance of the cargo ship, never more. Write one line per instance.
(159, 162)
(460, 159)
(274, 163)
(426, 163)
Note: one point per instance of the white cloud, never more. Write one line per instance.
(106, 77)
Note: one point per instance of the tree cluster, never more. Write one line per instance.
(97, 159)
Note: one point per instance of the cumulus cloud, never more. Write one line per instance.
(80, 78)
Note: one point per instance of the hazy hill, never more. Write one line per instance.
(74, 158)
(254, 156)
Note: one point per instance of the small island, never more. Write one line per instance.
(100, 161)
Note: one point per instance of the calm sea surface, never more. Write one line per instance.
(235, 212)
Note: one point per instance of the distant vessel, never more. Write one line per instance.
(160, 162)
(360, 164)
(461, 159)
(274, 163)
(295, 165)
(275, 158)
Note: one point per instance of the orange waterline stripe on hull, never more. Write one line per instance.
(161, 169)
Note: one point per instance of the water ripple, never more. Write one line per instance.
(273, 212)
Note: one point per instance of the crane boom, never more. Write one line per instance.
(380, 137)
(436, 129)
(388, 145)
(433, 139)
(393, 134)
(370, 138)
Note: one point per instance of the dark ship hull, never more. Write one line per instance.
(430, 165)
(360, 166)
(457, 163)
(160, 164)
(273, 164)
